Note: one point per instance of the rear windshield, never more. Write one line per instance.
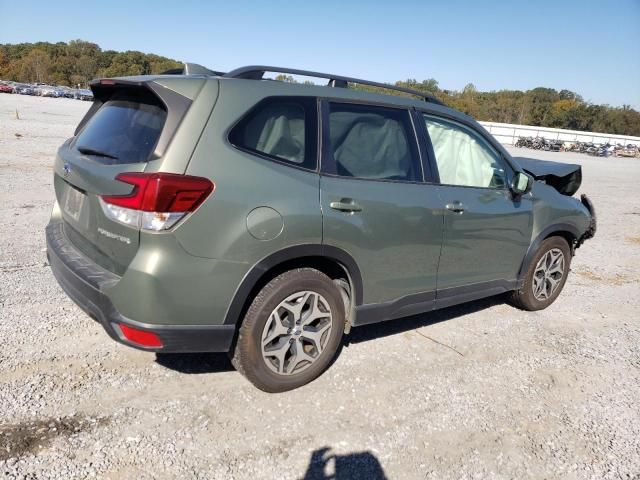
(123, 130)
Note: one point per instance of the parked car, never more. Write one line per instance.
(46, 91)
(5, 88)
(24, 89)
(65, 92)
(84, 94)
(218, 212)
(69, 92)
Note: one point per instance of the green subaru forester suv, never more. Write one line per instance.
(198, 211)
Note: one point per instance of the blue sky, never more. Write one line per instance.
(591, 47)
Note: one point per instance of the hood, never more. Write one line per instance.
(564, 177)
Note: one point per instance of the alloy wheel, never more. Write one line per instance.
(296, 332)
(548, 274)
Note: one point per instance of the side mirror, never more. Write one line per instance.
(521, 184)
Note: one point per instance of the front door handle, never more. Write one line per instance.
(455, 207)
(346, 205)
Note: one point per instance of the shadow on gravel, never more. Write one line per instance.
(354, 466)
(195, 363)
(202, 363)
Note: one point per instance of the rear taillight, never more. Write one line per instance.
(158, 200)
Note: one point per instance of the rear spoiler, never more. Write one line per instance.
(192, 69)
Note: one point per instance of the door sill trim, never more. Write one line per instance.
(417, 303)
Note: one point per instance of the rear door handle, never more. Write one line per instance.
(455, 207)
(346, 205)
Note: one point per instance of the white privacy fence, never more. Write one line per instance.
(508, 134)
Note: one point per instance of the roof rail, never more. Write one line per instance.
(256, 72)
(192, 69)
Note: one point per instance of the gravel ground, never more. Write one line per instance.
(476, 391)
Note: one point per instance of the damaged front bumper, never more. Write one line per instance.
(591, 230)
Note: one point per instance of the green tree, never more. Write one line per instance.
(4, 61)
(541, 101)
(35, 67)
(79, 48)
(285, 78)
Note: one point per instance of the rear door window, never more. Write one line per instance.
(124, 130)
(280, 128)
(371, 142)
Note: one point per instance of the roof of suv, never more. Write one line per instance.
(338, 84)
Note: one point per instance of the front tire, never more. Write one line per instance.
(291, 331)
(545, 277)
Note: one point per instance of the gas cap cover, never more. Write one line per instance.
(264, 223)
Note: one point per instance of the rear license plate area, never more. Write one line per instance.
(73, 203)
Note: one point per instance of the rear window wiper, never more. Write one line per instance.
(97, 153)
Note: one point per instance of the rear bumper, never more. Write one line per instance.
(84, 282)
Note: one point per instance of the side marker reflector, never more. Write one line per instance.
(140, 337)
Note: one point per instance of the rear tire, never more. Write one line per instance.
(291, 331)
(545, 277)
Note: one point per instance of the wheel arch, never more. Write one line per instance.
(332, 261)
(564, 230)
(567, 235)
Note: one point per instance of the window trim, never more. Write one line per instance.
(509, 170)
(326, 157)
(430, 172)
(311, 129)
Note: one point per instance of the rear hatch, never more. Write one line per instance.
(127, 129)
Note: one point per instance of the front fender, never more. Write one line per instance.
(556, 214)
(558, 228)
(552, 208)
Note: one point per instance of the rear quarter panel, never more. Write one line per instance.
(244, 182)
(193, 273)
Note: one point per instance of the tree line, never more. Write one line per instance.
(78, 62)
(542, 107)
(73, 63)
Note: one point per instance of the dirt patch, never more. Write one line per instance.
(617, 279)
(635, 240)
(27, 437)
(590, 275)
